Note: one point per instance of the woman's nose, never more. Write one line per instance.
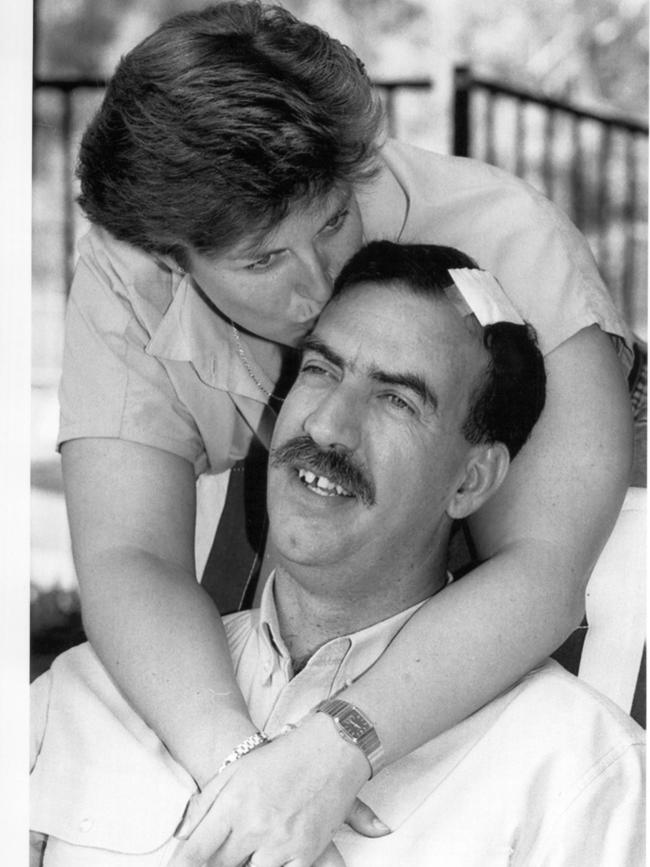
(318, 278)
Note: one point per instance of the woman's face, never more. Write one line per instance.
(277, 288)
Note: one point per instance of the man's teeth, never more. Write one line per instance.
(321, 485)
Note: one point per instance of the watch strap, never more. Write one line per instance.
(355, 727)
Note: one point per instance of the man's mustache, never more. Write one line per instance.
(337, 466)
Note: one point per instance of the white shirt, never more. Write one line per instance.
(549, 774)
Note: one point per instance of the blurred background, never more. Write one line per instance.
(555, 91)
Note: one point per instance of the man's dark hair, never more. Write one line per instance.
(509, 399)
(218, 122)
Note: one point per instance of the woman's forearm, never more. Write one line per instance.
(466, 645)
(542, 534)
(131, 510)
(169, 655)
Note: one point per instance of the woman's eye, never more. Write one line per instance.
(337, 220)
(262, 263)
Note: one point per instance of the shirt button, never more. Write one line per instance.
(85, 825)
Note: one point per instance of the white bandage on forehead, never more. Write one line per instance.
(478, 292)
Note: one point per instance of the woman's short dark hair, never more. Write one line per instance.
(508, 401)
(218, 122)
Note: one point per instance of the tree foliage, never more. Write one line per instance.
(593, 51)
(588, 50)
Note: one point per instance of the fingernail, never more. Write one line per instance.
(380, 826)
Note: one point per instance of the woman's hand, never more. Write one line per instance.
(281, 804)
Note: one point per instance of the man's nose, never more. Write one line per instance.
(336, 422)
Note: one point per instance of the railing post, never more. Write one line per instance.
(461, 132)
(520, 140)
(577, 175)
(603, 206)
(629, 223)
(389, 97)
(490, 153)
(68, 202)
(36, 52)
(549, 149)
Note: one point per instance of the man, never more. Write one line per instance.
(404, 416)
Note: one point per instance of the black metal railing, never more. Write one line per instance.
(593, 164)
(391, 92)
(62, 127)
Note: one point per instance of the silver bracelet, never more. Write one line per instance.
(252, 742)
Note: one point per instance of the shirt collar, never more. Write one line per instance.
(191, 331)
(180, 323)
(348, 655)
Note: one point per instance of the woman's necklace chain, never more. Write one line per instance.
(247, 364)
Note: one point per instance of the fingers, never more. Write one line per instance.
(281, 816)
(211, 834)
(331, 857)
(365, 821)
(196, 811)
(200, 804)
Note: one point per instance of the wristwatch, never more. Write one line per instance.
(355, 727)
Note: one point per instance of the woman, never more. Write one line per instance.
(233, 167)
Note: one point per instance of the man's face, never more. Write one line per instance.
(385, 385)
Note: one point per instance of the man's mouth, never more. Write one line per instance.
(321, 485)
(325, 472)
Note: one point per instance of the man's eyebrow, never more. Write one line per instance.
(311, 343)
(412, 381)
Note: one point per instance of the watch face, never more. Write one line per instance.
(355, 724)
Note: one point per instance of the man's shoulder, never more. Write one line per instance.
(78, 663)
(133, 791)
(559, 706)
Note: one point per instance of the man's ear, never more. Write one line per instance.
(485, 469)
